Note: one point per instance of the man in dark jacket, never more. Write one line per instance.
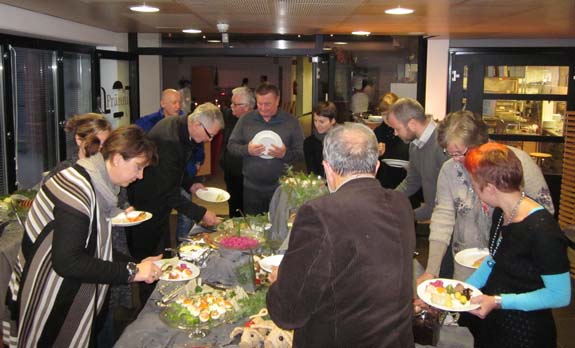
(243, 101)
(346, 278)
(176, 139)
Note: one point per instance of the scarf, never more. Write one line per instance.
(106, 191)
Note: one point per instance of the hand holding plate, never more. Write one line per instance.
(277, 151)
(487, 304)
(423, 277)
(210, 219)
(256, 149)
(196, 186)
(147, 272)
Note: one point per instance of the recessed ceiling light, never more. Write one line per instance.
(360, 32)
(144, 8)
(192, 31)
(327, 48)
(339, 43)
(214, 41)
(399, 11)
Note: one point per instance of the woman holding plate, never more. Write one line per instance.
(527, 270)
(65, 264)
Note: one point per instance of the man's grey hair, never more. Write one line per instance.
(405, 109)
(351, 148)
(246, 96)
(207, 114)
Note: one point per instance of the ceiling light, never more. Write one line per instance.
(339, 43)
(360, 32)
(399, 11)
(192, 31)
(327, 48)
(214, 41)
(144, 8)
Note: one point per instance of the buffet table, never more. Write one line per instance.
(9, 247)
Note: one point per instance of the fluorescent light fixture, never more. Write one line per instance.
(192, 31)
(144, 8)
(399, 11)
(339, 43)
(361, 33)
(282, 44)
(214, 41)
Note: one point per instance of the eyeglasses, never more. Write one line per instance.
(207, 133)
(456, 155)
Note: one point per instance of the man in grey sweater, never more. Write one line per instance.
(426, 157)
(264, 166)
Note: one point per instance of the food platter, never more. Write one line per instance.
(268, 262)
(471, 257)
(132, 218)
(429, 291)
(213, 194)
(174, 270)
(267, 138)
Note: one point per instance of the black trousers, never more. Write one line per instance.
(257, 202)
(235, 187)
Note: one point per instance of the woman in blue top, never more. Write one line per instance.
(527, 271)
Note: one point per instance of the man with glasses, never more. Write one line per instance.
(414, 127)
(261, 174)
(176, 139)
(243, 101)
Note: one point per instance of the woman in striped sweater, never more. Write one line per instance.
(65, 264)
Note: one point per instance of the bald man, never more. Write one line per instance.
(170, 105)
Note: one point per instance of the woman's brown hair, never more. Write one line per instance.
(86, 127)
(130, 141)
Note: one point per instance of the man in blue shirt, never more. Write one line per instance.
(170, 105)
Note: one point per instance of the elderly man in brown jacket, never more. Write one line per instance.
(346, 279)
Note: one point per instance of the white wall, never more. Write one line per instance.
(150, 75)
(436, 83)
(17, 21)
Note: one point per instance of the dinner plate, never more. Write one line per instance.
(375, 118)
(396, 163)
(267, 138)
(472, 257)
(213, 194)
(126, 219)
(268, 262)
(457, 306)
(177, 271)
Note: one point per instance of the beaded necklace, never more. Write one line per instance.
(498, 237)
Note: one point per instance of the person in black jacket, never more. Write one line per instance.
(324, 115)
(176, 138)
(243, 101)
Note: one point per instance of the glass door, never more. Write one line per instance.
(34, 86)
(3, 135)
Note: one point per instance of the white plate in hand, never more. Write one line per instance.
(472, 257)
(267, 138)
(457, 306)
(268, 262)
(174, 270)
(132, 218)
(213, 194)
(396, 163)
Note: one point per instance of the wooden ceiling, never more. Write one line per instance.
(450, 18)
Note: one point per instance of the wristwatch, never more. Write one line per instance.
(497, 299)
(132, 271)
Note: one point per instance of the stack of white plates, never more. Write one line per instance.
(267, 138)
(396, 163)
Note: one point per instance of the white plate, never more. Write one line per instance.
(396, 163)
(457, 306)
(267, 138)
(268, 262)
(177, 275)
(375, 118)
(468, 257)
(122, 218)
(213, 194)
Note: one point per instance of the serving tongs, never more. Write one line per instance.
(245, 219)
(163, 302)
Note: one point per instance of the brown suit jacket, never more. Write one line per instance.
(346, 279)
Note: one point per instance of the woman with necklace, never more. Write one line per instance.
(527, 271)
